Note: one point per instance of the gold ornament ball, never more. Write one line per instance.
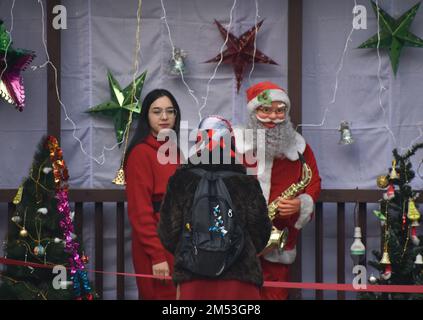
(23, 233)
(382, 182)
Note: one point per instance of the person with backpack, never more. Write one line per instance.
(214, 220)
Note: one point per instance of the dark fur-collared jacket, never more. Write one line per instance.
(248, 202)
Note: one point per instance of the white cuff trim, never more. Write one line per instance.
(307, 208)
(284, 257)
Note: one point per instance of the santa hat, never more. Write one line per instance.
(263, 93)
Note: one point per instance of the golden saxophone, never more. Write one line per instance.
(278, 237)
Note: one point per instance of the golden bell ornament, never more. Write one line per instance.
(23, 233)
(413, 214)
(382, 181)
(120, 178)
(394, 175)
(18, 197)
(385, 258)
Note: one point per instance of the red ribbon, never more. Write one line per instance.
(272, 284)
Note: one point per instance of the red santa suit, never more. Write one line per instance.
(278, 175)
(146, 183)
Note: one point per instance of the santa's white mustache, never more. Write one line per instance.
(276, 121)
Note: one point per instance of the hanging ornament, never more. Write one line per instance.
(372, 279)
(123, 102)
(177, 62)
(42, 211)
(346, 136)
(18, 197)
(39, 250)
(413, 214)
(16, 219)
(414, 238)
(241, 51)
(380, 215)
(382, 181)
(12, 63)
(23, 233)
(357, 249)
(388, 268)
(120, 178)
(394, 175)
(47, 170)
(394, 34)
(390, 193)
(419, 259)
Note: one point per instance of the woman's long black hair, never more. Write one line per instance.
(143, 127)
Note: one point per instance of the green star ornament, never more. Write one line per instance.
(394, 34)
(122, 103)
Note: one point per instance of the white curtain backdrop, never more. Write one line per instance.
(101, 36)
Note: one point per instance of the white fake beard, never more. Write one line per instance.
(278, 139)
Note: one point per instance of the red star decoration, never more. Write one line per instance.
(240, 51)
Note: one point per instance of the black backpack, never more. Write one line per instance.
(213, 237)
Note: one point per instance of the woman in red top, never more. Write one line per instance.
(146, 183)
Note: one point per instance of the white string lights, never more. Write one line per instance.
(190, 91)
(382, 88)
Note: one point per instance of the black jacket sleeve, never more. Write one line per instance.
(170, 217)
(258, 222)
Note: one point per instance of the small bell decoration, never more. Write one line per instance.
(419, 259)
(346, 136)
(394, 175)
(177, 62)
(120, 178)
(387, 262)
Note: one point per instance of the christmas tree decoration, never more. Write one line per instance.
(18, 197)
(372, 279)
(241, 51)
(47, 170)
(357, 248)
(382, 181)
(413, 214)
(419, 259)
(120, 177)
(16, 219)
(390, 192)
(346, 136)
(394, 175)
(123, 103)
(44, 206)
(12, 63)
(400, 243)
(42, 211)
(39, 250)
(23, 233)
(394, 34)
(177, 62)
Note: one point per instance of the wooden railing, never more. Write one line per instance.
(98, 197)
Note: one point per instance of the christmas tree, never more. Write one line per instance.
(400, 259)
(41, 232)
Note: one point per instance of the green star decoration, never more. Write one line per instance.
(122, 103)
(394, 34)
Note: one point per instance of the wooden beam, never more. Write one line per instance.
(53, 47)
(295, 48)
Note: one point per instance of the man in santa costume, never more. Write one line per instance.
(269, 107)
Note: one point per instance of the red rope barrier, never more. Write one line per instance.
(273, 284)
